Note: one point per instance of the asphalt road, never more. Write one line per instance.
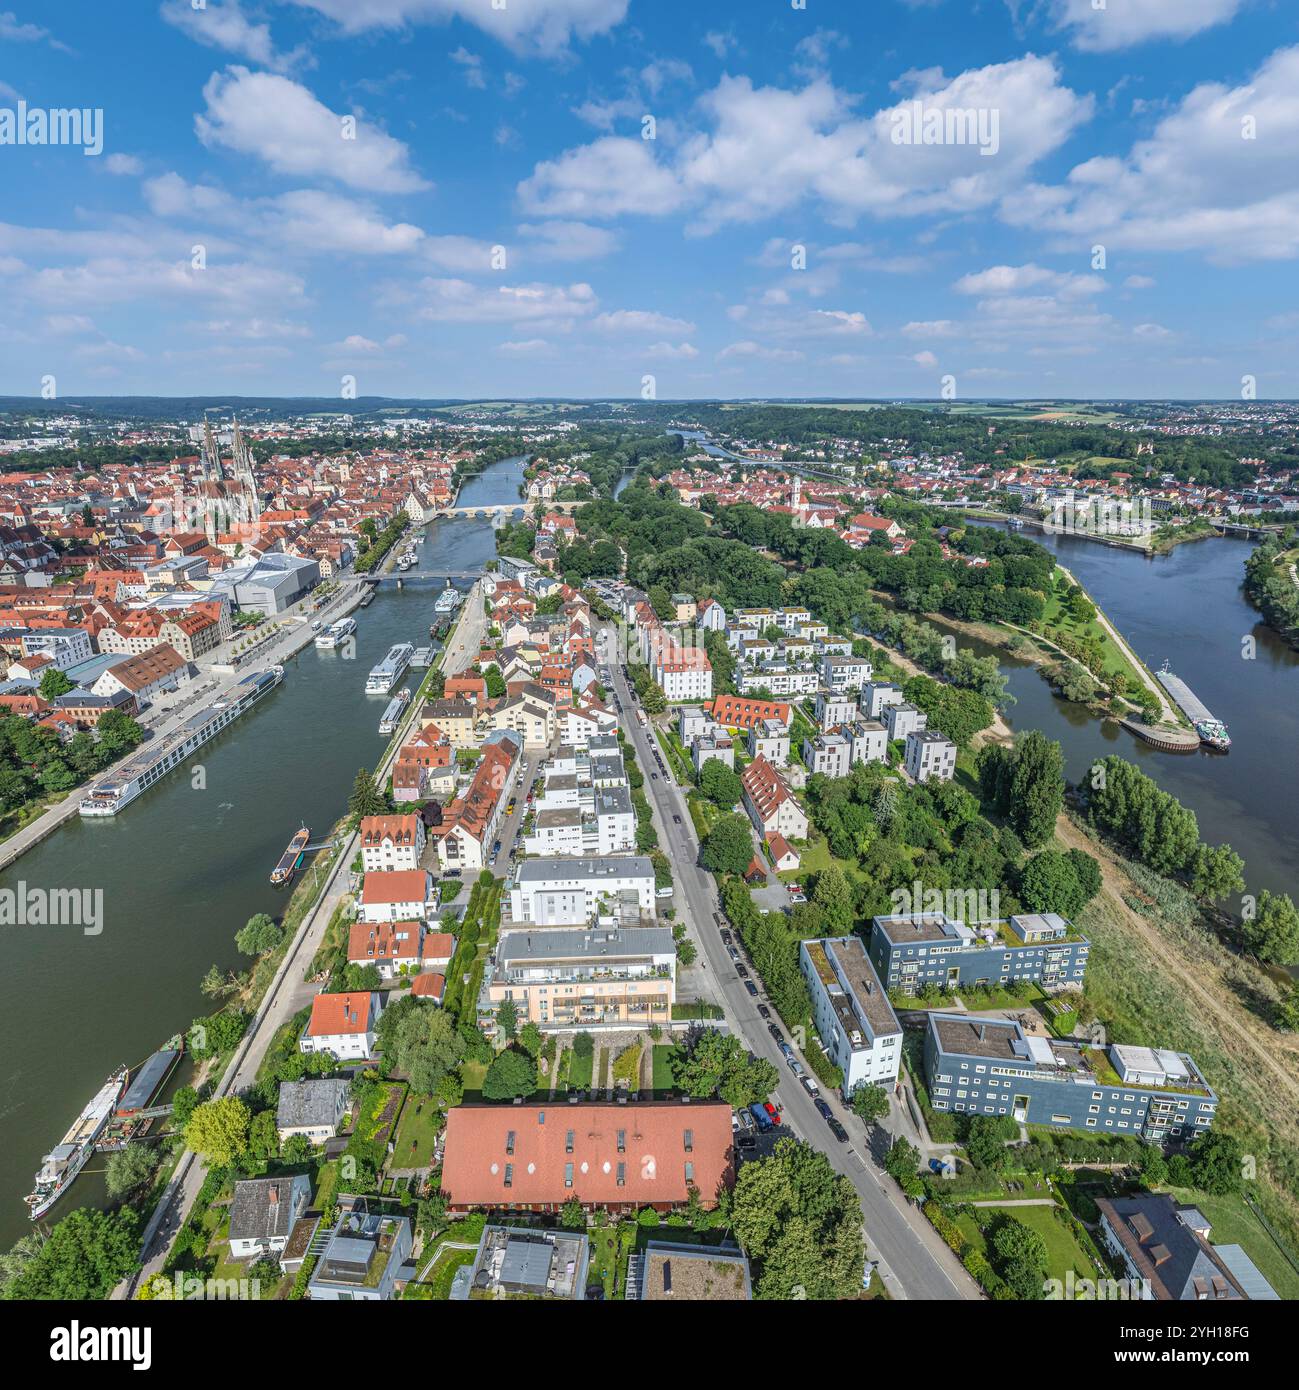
(913, 1261)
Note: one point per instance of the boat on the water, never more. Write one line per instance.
(392, 715)
(1212, 731)
(335, 633)
(63, 1162)
(449, 599)
(390, 670)
(291, 857)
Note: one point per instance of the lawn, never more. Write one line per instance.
(1063, 1251)
(1233, 1223)
(675, 755)
(1057, 620)
(436, 1284)
(662, 1071)
(417, 1129)
(579, 1072)
(816, 857)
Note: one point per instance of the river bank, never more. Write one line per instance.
(186, 865)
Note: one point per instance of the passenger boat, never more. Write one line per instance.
(335, 633)
(390, 670)
(392, 715)
(62, 1164)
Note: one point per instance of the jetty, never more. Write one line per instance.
(1210, 728)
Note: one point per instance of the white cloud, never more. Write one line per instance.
(767, 149)
(609, 178)
(931, 328)
(1122, 23)
(225, 26)
(282, 123)
(525, 347)
(1199, 183)
(721, 43)
(925, 359)
(750, 350)
(472, 65)
(1011, 279)
(14, 30)
(567, 241)
(545, 25)
(662, 72)
(1152, 332)
(459, 301)
(123, 164)
(1138, 282)
(117, 281)
(669, 352)
(640, 321)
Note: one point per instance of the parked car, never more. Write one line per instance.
(746, 1120)
(751, 987)
(787, 1050)
(810, 1086)
(763, 1011)
(747, 1141)
(654, 777)
(735, 1123)
(823, 1108)
(742, 971)
(760, 1115)
(774, 1030)
(676, 820)
(839, 1132)
(772, 1113)
(795, 1066)
(733, 953)
(726, 937)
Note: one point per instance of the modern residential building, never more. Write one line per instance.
(852, 1012)
(364, 1259)
(912, 950)
(708, 748)
(930, 756)
(842, 673)
(525, 1262)
(343, 1025)
(263, 1212)
(559, 892)
(391, 842)
(617, 1157)
(832, 709)
(876, 696)
(672, 1273)
(1165, 1251)
(903, 719)
(828, 754)
(599, 976)
(778, 677)
(991, 1066)
(312, 1108)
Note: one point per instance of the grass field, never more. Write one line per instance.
(417, 1129)
(1063, 1252)
(662, 1072)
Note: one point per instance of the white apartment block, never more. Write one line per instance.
(852, 1013)
(930, 756)
(557, 892)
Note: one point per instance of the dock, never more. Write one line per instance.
(1207, 725)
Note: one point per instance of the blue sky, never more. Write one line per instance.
(494, 223)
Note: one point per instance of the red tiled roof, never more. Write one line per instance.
(395, 886)
(336, 1014)
(652, 1154)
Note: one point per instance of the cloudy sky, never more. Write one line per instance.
(529, 197)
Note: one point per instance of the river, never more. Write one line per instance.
(1188, 608)
(182, 869)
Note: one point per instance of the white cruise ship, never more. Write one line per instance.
(152, 762)
(335, 633)
(449, 599)
(63, 1162)
(390, 670)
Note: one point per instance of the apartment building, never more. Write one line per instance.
(397, 895)
(778, 677)
(769, 739)
(364, 1260)
(991, 1066)
(737, 712)
(343, 1025)
(903, 719)
(559, 892)
(930, 756)
(620, 1158)
(828, 754)
(590, 977)
(464, 838)
(833, 709)
(684, 673)
(853, 1016)
(391, 842)
(912, 950)
(841, 673)
(876, 696)
(770, 803)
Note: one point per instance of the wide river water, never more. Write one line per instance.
(181, 871)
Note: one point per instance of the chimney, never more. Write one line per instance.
(982, 1030)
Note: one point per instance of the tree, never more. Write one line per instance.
(1021, 1258)
(495, 682)
(720, 784)
(870, 1103)
(1272, 933)
(420, 1040)
(118, 733)
(833, 895)
(53, 684)
(654, 701)
(366, 798)
(507, 1018)
(572, 1215)
(128, 1169)
(88, 1253)
(183, 1104)
(258, 935)
(264, 1136)
(511, 1074)
(1218, 873)
(985, 1144)
(728, 846)
(218, 1131)
(583, 1046)
(1036, 791)
(530, 1040)
(661, 602)
(902, 1160)
(1049, 883)
(707, 1062)
(800, 1223)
